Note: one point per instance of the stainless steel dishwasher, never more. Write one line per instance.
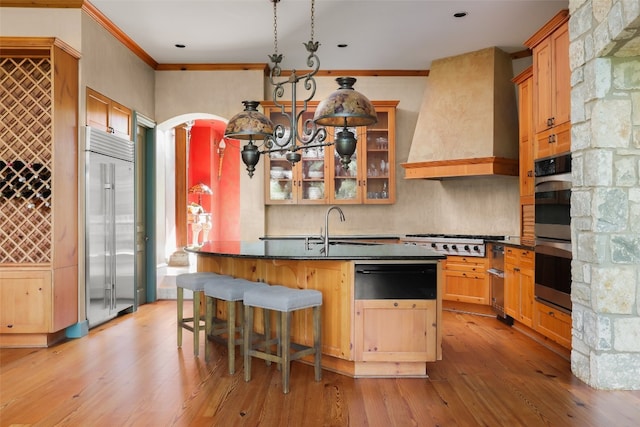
(396, 281)
(496, 271)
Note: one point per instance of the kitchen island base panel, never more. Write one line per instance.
(335, 279)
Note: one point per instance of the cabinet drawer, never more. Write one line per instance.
(461, 263)
(553, 324)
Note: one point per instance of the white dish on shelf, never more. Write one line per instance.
(316, 174)
(279, 196)
(277, 174)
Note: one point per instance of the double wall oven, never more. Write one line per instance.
(553, 231)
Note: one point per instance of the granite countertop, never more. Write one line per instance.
(513, 241)
(339, 249)
(337, 237)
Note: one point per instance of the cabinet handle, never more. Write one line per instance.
(551, 313)
(530, 173)
(516, 269)
(551, 121)
(395, 304)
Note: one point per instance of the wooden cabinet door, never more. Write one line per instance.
(561, 79)
(553, 324)
(107, 115)
(97, 110)
(466, 287)
(120, 120)
(527, 178)
(527, 297)
(542, 78)
(511, 290)
(395, 330)
(25, 302)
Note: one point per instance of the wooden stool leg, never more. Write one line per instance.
(208, 325)
(317, 330)
(248, 330)
(267, 332)
(231, 338)
(284, 349)
(180, 294)
(196, 323)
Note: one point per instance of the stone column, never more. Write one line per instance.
(605, 202)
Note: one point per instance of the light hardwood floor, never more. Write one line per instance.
(129, 372)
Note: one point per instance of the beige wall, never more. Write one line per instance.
(35, 22)
(110, 68)
(219, 93)
(470, 205)
(467, 206)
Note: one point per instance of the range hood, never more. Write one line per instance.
(468, 122)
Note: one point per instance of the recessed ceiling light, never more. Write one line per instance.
(342, 45)
(180, 45)
(460, 14)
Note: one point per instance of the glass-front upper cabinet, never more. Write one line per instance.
(300, 183)
(370, 177)
(320, 178)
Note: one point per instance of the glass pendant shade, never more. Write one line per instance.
(249, 124)
(345, 107)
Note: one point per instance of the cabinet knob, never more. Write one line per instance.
(530, 173)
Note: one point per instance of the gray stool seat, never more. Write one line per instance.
(281, 298)
(283, 301)
(195, 282)
(231, 290)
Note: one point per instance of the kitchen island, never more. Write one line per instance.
(382, 303)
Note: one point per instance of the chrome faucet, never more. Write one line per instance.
(326, 226)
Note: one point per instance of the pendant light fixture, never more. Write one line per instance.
(344, 108)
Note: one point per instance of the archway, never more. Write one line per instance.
(191, 150)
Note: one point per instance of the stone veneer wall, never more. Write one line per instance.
(605, 202)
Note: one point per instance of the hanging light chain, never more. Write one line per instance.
(313, 24)
(275, 26)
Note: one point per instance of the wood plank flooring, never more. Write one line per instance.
(129, 372)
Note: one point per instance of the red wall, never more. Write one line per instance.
(223, 179)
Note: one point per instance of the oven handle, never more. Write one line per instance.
(496, 272)
(559, 249)
(552, 185)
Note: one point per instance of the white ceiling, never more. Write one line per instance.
(381, 34)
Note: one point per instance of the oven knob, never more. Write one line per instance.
(476, 248)
(433, 245)
(445, 247)
(466, 248)
(454, 247)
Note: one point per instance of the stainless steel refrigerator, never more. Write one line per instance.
(109, 222)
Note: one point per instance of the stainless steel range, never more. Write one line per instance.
(452, 244)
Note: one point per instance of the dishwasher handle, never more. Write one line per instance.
(496, 272)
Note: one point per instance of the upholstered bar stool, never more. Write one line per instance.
(195, 283)
(283, 301)
(232, 292)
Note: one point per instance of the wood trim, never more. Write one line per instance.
(461, 168)
(524, 75)
(260, 66)
(362, 73)
(33, 46)
(181, 180)
(265, 68)
(548, 28)
(116, 32)
(67, 4)
(521, 54)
